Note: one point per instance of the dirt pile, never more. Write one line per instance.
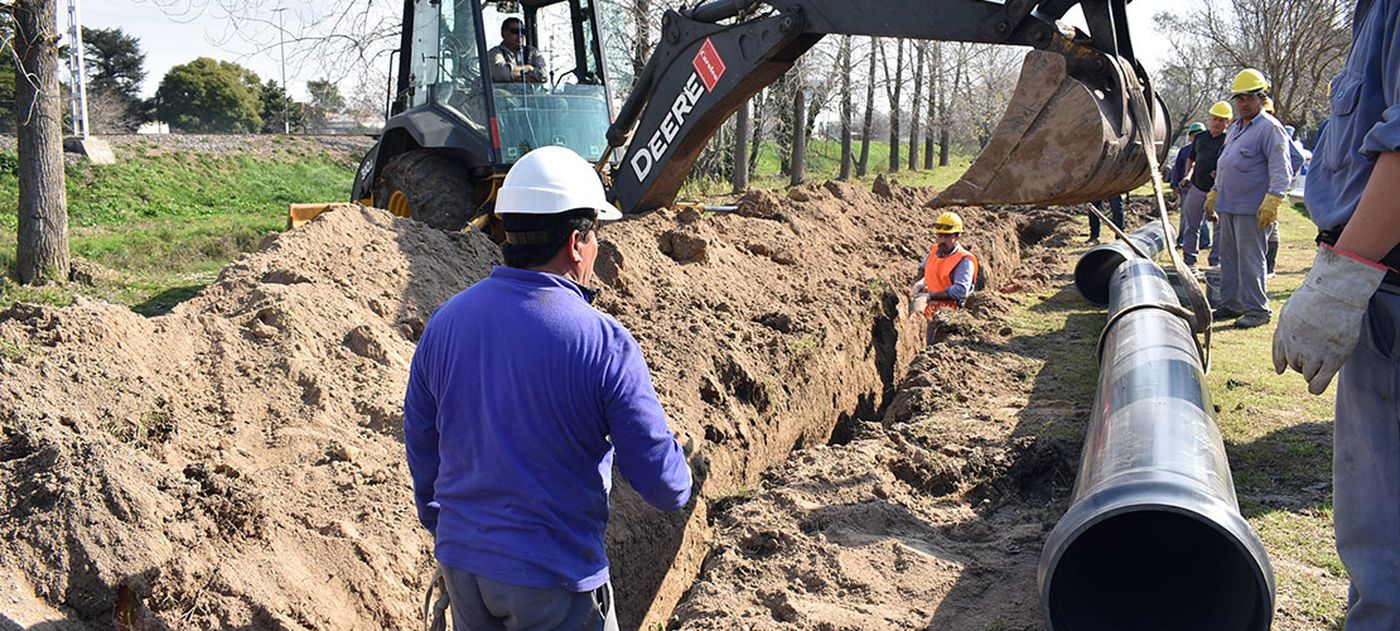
(239, 461)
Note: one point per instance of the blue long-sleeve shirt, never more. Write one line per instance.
(1253, 163)
(1365, 119)
(518, 395)
(1183, 155)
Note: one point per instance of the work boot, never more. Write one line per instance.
(1222, 313)
(1251, 320)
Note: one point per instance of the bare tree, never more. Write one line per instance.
(935, 75)
(945, 115)
(845, 66)
(42, 252)
(1298, 44)
(892, 90)
(915, 110)
(743, 128)
(869, 111)
(799, 136)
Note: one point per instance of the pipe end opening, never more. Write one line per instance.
(1157, 570)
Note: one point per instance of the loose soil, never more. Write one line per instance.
(237, 463)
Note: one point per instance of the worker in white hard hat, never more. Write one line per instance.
(947, 275)
(1346, 314)
(520, 396)
(1250, 180)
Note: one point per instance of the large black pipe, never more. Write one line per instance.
(1095, 268)
(1153, 538)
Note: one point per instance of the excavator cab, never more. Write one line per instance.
(479, 85)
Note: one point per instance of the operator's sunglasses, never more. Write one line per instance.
(517, 31)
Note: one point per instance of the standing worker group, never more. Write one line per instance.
(1346, 314)
(519, 396)
(948, 273)
(1251, 177)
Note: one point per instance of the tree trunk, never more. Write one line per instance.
(742, 130)
(928, 126)
(945, 118)
(845, 108)
(915, 110)
(42, 252)
(757, 140)
(799, 136)
(894, 103)
(864, 163)
(641, 46)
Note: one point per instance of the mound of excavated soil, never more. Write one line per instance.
(238, 461)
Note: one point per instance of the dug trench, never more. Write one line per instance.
(238, 462)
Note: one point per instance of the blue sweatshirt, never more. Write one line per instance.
(518, 394)
(1365, 119)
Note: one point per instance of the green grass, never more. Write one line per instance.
(163, 224)
(824, 163)
(1278, 436)
(1279, 440)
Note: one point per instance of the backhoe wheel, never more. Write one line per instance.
(427, 188)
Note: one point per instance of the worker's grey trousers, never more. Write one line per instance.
(481, 603)
(1366, 470)
(1193, 214)
(1242, 246)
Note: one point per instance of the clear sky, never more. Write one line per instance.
(173, 32)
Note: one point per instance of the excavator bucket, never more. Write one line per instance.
(1060, 142)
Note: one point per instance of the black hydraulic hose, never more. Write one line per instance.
(1153, 538)
(1095, 269)
(716, 10)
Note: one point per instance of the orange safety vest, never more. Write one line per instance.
(938, 275)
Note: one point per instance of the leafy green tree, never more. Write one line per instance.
(325, 100)
(114, 60)
(115, 70)
(207, 95)
(275, 103)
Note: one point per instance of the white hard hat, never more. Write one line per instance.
(552, 180)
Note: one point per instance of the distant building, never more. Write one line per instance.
(154, 127)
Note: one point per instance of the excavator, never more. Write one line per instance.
(1079, 127)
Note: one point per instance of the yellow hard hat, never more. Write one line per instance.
(948, 223)
(1249, 80)
(1223, 110)
(1269, 104)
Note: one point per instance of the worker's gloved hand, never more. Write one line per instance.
(1268, 210)
(1320, 324)
(1210, 206)
(918, 297)
(695, 457)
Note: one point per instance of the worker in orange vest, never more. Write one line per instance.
(947, 274)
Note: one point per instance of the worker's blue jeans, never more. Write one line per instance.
(1366, 470)
(481, 603)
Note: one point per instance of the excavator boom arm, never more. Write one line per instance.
(703, 70)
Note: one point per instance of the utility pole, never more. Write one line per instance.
(77, 70)
(286, 93)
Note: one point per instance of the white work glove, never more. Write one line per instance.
(1320, 324)
(918, 298)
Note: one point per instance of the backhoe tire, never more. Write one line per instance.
(438, 191)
